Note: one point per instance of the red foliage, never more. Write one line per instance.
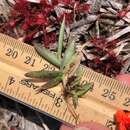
(122, 13)
(123, 120)
(29, 17)
(111, 64)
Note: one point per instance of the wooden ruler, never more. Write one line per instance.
(99, 105)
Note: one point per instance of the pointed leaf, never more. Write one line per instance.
(61, 39)
(43, 74)
(73, 65)
(50, 84)
(68, 54)
(47, 55)
(85, 89)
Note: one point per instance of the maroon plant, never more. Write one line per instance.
(104, 58)
(43, 19)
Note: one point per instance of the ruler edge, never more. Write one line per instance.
(34, 108)
(27, 105)
(38, 56)
(29, 48)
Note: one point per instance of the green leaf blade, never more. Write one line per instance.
(43, 74)
(85, 88)
(47, 55)
(50, 84)
(70, 51)
(61, 39)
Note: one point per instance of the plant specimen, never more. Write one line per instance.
(68, 74)
(41, 20)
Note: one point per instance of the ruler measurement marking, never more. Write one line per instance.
(22, 52)
(22, 96)
(17, 91)
(36, 105)
(47, 108)
(65, 117)
(125, 89)
(30, 101)
(111, 83)
(4, 41)
(99, 80)
(115, 86)
(93, 77)
(54, 112)
(33, 102)
(43, 106)
(87, 75)
(40, 102)
(128, 91)
(20, 47)
(5, 87)
(8, 91)
(89, 79)
(122, 91)
(70, 118)
(18, 95)
(11, 92)
(4, 45)
(57, 113)
(28, 96)
(103, 82)
(73, 121)
(106, 83)
(64, 112)
(41, 60)
(27, 50)
(52, 106)
(120, 87)
(34, 54)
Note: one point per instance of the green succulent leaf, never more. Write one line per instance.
(61, 39)
(85, 89)
(76, 83)
(50, 84)
(73, 65)
(47, 55)
(43, 74)
(70, 51)
(79, 72)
